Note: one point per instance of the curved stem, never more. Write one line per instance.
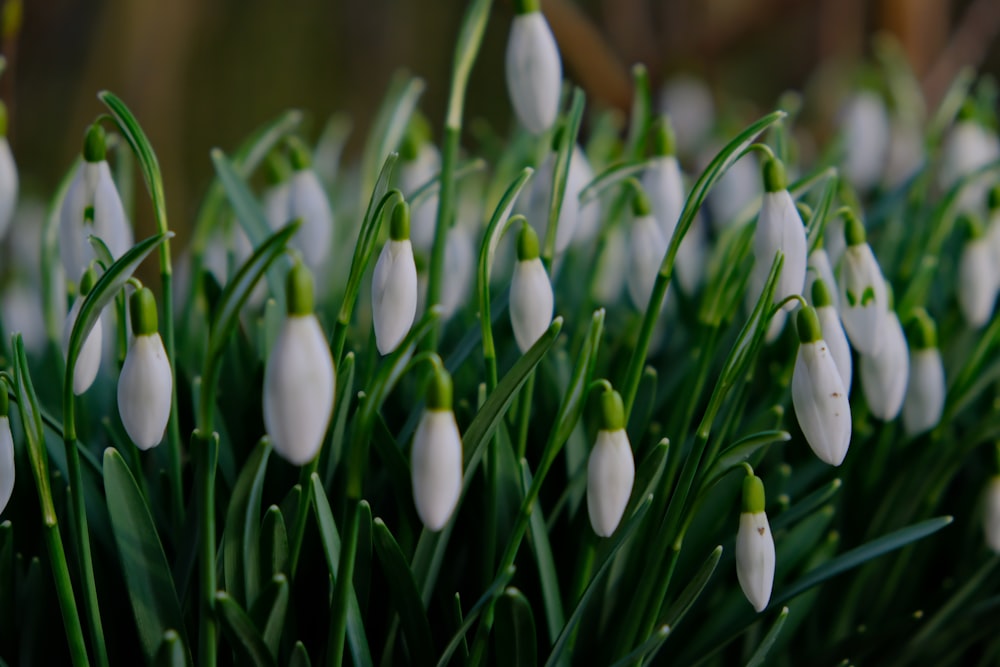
(204, 446)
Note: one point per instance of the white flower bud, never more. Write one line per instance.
(647, 250)
(779, 227)
(7, 472)
(307, 201)
(611, 267)
(436, 459)
(832, 330)
(665, 186)
(276, 207)
(906, 152)
(145, 389)
(978, 280)
(531, 299)
(534, 71)
(8, 186)
(820, 268)
(865, 124)
(459, 268)
(968, 147)
(92, 188)
(689, 103)
(884, 375)
(89, 360)
(414, 174)
(737, 188)
(991, 516)
(537, 201)
(394, 285)
(925, 390)
(755, 557)
(864, 300)
(611, 468)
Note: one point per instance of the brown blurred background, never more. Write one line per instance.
(204, 73)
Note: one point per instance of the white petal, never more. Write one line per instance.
(531, 302)
(737, 188)
(534, 72)
(833, 239)
(977, 281)
(755, 559)
(423, 214)
(836, 339)
(665, 187)
(89, 360)
(864, 300)
(307, 200)
(276, 205)
(991, 517)
(884, 376)
(394, 294)
(779, 227)
(423, 223)
(610, 474)
(925, 391)
(536, 203)
(8, 186)
(74, 250)
(589, 215)
(820, 401)
(612, 267)
(144, 391)
(436, 467)
(906, 152)
(7, 472)
(647, 250)
(692, 256)
(298, 389)
(459, 265)
(819, 267)
(865, 124)
(689, 103)
(110, 223)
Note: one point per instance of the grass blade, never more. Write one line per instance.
(760, 655)
(243, 635)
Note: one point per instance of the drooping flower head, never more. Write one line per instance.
(647, 248)
(779, 227)
(145, 386)
(8, 176)
(531, 299)
(884, 374)
(394, 284)
(421, 161)
(307, 201)
(88, 362)
(925, 389)
(299, 376)
(277, 173)
(978, 274)
(436, 459)
(864, 122)
(864, 301)
(755, 557)
(534, 68)
(832, 330)
(611, 468)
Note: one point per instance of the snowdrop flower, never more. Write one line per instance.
(737, 188)
(92, 207)
(755, 557)
(925, 390)
(459, 268)
(88, 362)
(779, 227)
(537, 201)
(611, 468)
(969, 146)
(819, 268)
(530, 292)
(394, 284)
(906, 151)
(884, 375)
(8, 176)
(978, 277)
(647, 249)
(819, 394)
(6, 450)
(864, 301)
(832, 331)
(145, 386)
(421, 162)
(611, 267)
(299, 377)
(689, 102)
(534, 69)
(864, 122)
(276, 193)
(436, 459)
(307, 201)
(991, 517)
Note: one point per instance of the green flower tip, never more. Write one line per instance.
(854, 229)
(640, 202)
(399, 225)
(921, 331)
(612, 411)
(821, 294)
(993, 200)
(557, 137)
(805, 211)
(3, 119)
(527, 6)
(527, 244)
(439, 393)
(808, 325)
(971, 224)
(4, 401)
(88, 281)
(968, 111)
(94, 145)
(418, 132)
(753, 494)
(276, 168)
(664, 140)
(299, 290)
(774, 175)
(298, 154)
(143, 312)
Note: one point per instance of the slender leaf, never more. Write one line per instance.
(741, 451)
(493, 592)
(616, 173)
(390, 125)
(760, 655)
(269, 610)
(300, 657)
(243, 636)
(551, 597)
(647, 648)
(273, 544)
(240, 539)
(514, 628)
(806, 506)
(679, 608)
(172, 651)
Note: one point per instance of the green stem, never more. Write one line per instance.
(342, 587)
(446, 203)
(173, 425)
(204, 446)
(301, 516)
(64, 591)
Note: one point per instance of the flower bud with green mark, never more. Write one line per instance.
(884, 375)
(8, 176)
(647, 249)
(664, 182)
(531, 298)
(969, 145)
(277, 172)
(819, 394)
(978, 275)
(611, 468)
(755, 557)
(7, 472)
(421, 161)
(863, 299)
(307, 201)
(145, 386)
(925, 389)
(299, 376)
(534, 68)
(394, 284)
(436, 458)
(779, 227)
(576, 224)
(88, 360)
(819, 267)
(833, 331)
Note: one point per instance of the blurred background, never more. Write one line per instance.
(203, 74)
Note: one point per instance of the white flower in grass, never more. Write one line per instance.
(307, 201)
(864, 300)
(92, 206)
(832, 331)
(755, 558)
(534, 69)
(531, 300)
(978, 276)
(925, 389)
(88, 361)
(611, 268)
(575, 223)
(819, 394)
(737, 188)
(8, 176)
(970, 145)
(275, 199)
(820, 268)
(689, 102)
(864, 122)
(459, 270)
(647, 248)
(884, 375)
(7, 472)
(663, 181)
(779, 227)
(394, 284)
(299, 377)
(991, 516)
(145, 386)
(423, 215)
(611, 468)
(436, 459)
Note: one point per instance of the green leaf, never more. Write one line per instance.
(390, 126)
(147, 573)
(240, 538)
(949, 106)
(806, 506)
(514, 629)
(741, 451)
(560, 171)
(300, 657)
(622, 535)
(172, 651)
(647, 648)
(52, 274)
(642, 112)
(551, 598)
(491, 594)
(760, 655)
(802, 541)
(433, 186)
(470, 37)
(679, 608)
(345, 392)
(404, 595)
(269, 610)
(615, 173)
(273, 544)
(243, 636)
(356, 638)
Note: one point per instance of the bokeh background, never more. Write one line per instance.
(204, 73)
